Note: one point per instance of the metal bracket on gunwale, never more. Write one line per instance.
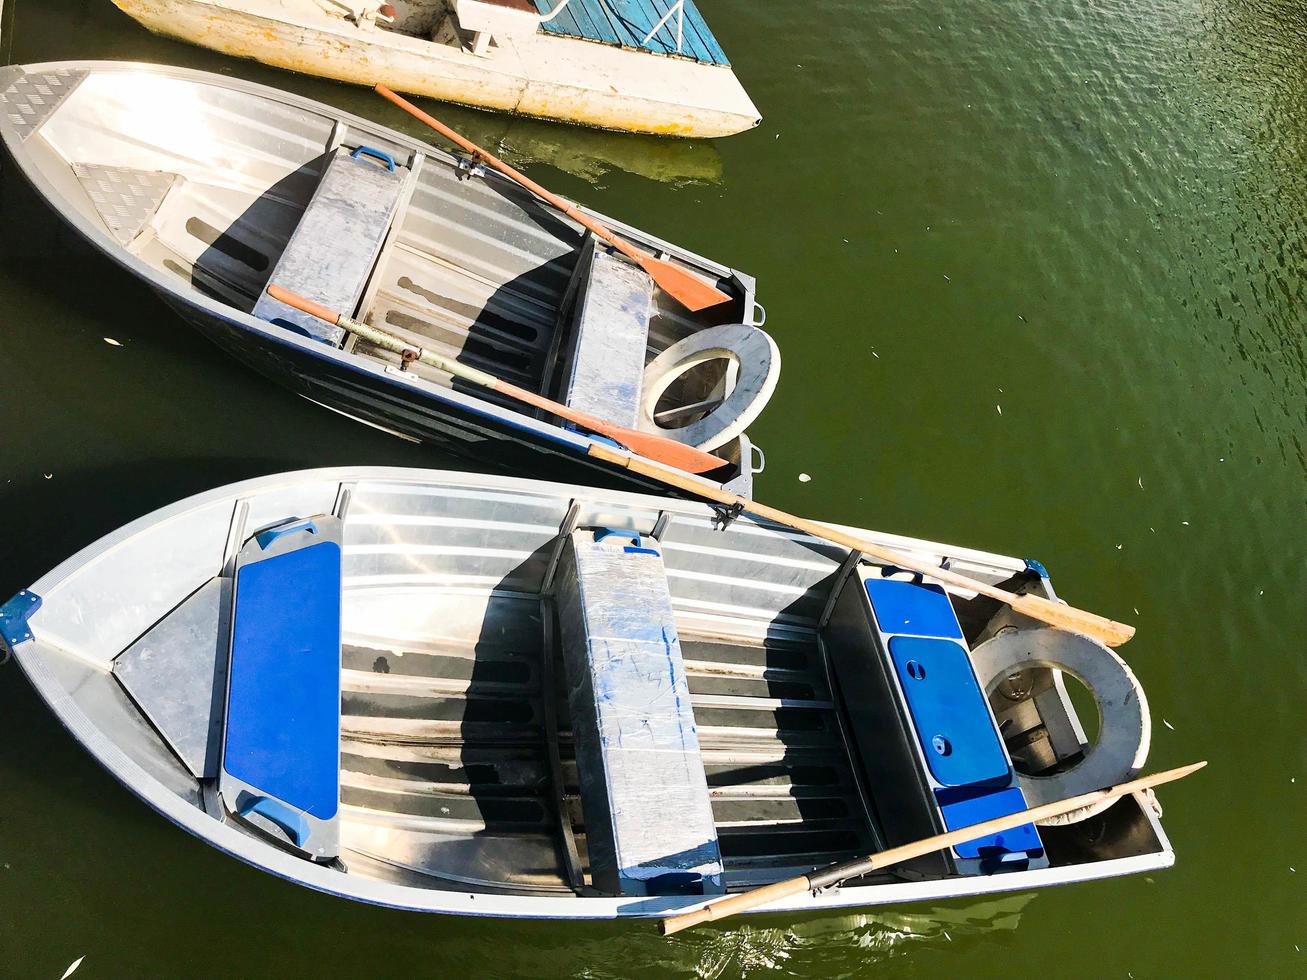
(471, 167)
(724, 517)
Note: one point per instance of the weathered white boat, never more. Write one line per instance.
(645, 66)
(209, 189)
(491, 696)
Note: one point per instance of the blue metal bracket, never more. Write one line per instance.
(265, 538)
(14, 615)
(1037, 567)
(371, 151)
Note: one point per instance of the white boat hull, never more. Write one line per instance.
(546, 76)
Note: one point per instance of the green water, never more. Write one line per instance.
(1092, 215)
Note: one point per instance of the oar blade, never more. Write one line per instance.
(662, 450)
(688, 290)
(1075, 620)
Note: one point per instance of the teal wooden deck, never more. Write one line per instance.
(626, 22)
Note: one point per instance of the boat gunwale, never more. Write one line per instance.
(237, 844)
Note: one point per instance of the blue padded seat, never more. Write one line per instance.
(953, 723)
(281, 750)
(962, 809)
(909, 609)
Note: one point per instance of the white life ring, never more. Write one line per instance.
(756, 363)
(1124, 728)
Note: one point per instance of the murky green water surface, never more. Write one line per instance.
(1037, 272)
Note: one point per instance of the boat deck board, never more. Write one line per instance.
(626, 22)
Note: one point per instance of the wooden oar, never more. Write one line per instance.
(836, 873)
(656, 447)
(692, 293)
(1036, 607)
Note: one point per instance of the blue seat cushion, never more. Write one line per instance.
(283, 702)
(964, 808)
(910, 609)
(949, 711)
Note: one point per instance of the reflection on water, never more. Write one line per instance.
(828, 947)
(585, 153)
(822, 947)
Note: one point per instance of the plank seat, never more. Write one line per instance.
(603, 372)
(280, 769)
(331, 253)
(644, 793)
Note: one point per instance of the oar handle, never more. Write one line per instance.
(304, 304)
(736, 904)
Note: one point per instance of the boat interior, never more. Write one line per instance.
(221, 190)
(533, 692)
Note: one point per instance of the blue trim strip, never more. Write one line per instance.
(14, 615)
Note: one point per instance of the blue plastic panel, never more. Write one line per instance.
(283, 702)
(967, 810)
(949, 711)
(912, 609)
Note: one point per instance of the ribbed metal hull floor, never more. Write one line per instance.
(447, 769)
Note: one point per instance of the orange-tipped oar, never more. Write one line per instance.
(836, 873)
(655, 447)
(692, 293)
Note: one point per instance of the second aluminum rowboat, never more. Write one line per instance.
(208, 188)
